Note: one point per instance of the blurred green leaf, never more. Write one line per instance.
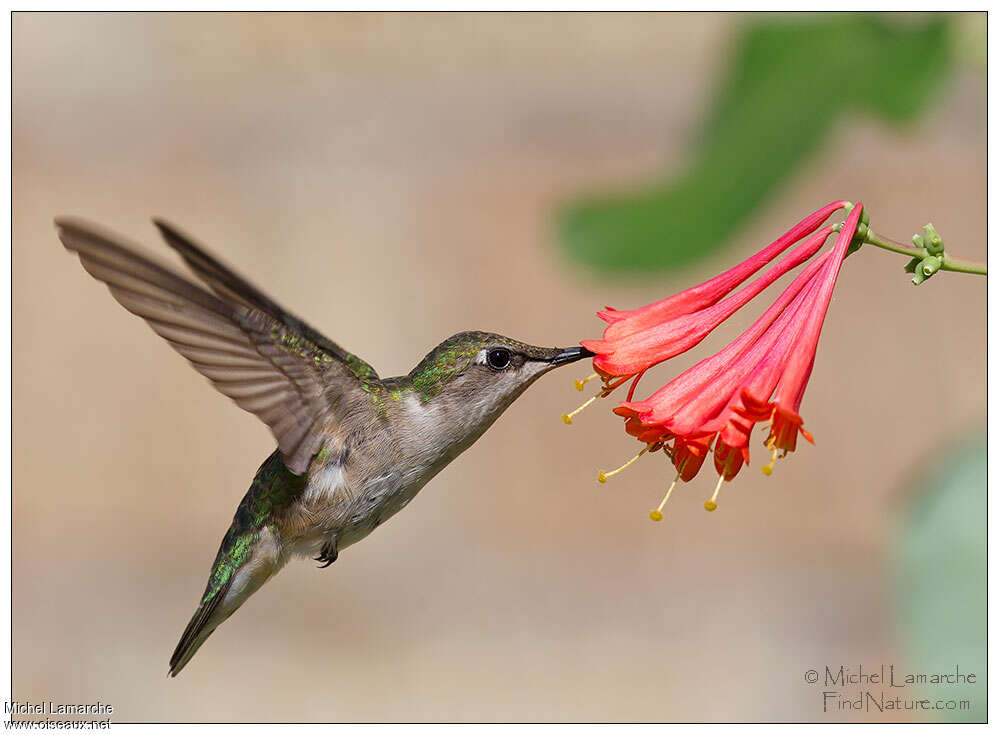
(941, 577)
(787, 83)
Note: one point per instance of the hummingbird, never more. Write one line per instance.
(352, 450)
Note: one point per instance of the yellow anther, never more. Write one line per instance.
(580, 382)
(657, 514)
(602, 476)
(567, 417)
(712, 504)
(768, 468)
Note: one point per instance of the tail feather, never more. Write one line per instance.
(197, 631)
(250, 554)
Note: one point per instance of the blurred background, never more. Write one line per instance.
(399, 178)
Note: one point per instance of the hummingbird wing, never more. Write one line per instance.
(231, 286)
(261, 362)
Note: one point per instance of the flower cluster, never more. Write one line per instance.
(712, 408)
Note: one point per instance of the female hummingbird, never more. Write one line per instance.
(352, 448)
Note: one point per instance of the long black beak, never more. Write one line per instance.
(570, 354)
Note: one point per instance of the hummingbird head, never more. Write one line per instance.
(481, 366)
(469, 379)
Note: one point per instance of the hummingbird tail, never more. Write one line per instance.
(245, 561)
(197, 631)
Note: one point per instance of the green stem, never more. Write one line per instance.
(949, 264)
(963, 266)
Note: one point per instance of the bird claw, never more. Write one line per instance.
(328, 554)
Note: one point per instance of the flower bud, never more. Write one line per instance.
(926, 268)
(932, 241)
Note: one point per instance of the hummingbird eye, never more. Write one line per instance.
(498, 359)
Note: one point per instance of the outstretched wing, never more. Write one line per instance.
(230, 286)
(263, 363)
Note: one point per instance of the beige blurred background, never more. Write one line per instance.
(393, 179)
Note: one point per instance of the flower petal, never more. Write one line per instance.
(662, 404)
(639, 351)
(799, 366)
(711, 291)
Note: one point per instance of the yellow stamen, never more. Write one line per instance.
(768, 468)
(712, 504)
(657, 514)
(567, 417)
(602, 476)
(580, 382)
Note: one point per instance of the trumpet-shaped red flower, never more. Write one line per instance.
(636, 340)
(705, 294)
(691, 398)
(786, 422)
(760, 376)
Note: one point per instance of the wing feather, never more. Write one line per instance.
(232, 287)
(248, 354)
(209, 357)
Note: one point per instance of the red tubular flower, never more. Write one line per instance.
(661, 406)
(698, 297)
(734, 423)
(759, 376)
(695, 416)
(705, 413)
(636, 352)
(786, 421)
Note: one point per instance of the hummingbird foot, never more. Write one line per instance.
(328, 554)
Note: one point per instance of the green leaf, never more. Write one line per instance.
(940, 566)
(786, 86)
